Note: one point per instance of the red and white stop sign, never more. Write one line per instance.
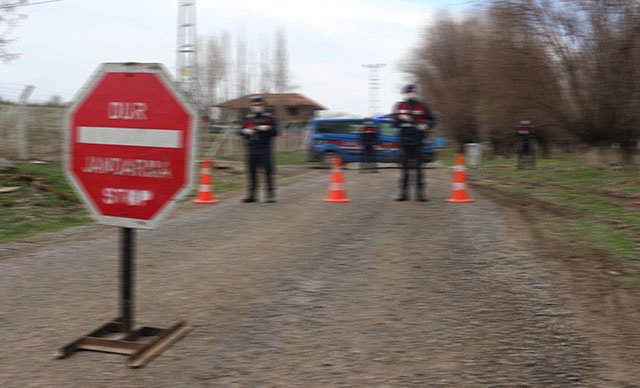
(130, 144)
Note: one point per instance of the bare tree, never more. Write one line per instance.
(446, 67)
(253, 71)
(515, 81)
(265, 69)
(281, 78)
(55, 100)
(241, 66)
(593, 47)
(8, 21)
(225, 47)
(222, 75)
(212, 70)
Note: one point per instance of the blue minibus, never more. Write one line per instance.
(330, 137)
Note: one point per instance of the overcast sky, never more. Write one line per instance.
(62, 42)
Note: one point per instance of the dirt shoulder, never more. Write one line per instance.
(593, 285)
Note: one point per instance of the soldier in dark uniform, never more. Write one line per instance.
(525, 142)
(368, 139)
(258, 129)
(413, 119)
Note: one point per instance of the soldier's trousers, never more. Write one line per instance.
(368, 158)
(260, 161)
(526, 157)
(411, 160)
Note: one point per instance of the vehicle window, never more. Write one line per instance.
(387, 129)
(339, 127)
(355, 128)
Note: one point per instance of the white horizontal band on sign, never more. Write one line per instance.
(138, 137)
(459, 186)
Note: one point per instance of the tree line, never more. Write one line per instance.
(572, 67)
(224, 72)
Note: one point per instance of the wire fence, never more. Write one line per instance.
(224, 142)
(31, 132)
(37, 132)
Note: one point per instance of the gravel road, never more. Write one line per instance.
(304, 293)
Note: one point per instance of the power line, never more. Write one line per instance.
(465, 3)
(24, 5)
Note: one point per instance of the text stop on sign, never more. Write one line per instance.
(130, 144)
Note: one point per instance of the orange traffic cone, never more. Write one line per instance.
(205, 192)
(459, 192)
(336, 190)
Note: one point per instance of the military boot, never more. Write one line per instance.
(403, 197)
(271, 197)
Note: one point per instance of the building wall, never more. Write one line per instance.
(297, 114)
(284, 114)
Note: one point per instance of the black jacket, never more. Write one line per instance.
(368, 136)
(264, 127)
(413, 119)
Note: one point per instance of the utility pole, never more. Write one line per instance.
(374, 86)
(186, 47)
(23, 136)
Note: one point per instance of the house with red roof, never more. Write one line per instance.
(288, 107)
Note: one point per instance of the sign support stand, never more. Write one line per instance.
(119, 336)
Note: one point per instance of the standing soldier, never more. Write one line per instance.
(413, 119)
(368, 139)
(525, 141)
(258, 129)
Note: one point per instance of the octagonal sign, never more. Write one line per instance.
(130, 144)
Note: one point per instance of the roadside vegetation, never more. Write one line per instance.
(571, 202)
(300, 158)
(281, 158)
(36, 198)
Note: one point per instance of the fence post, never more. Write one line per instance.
(288, 139)
(22, 123)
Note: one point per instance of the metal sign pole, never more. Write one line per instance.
(126, 287)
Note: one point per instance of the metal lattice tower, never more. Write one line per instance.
(186, 52)
(374, 86)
